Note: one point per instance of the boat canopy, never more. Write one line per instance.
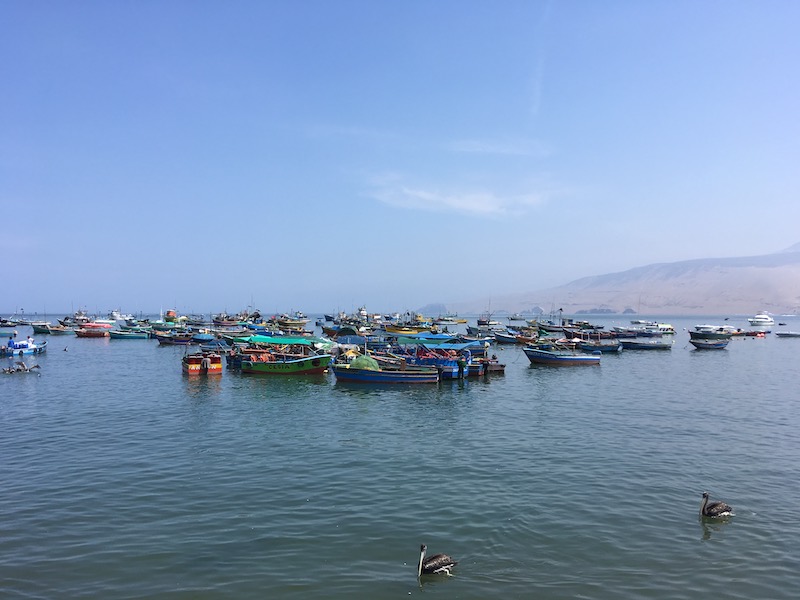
(458, 347)
(285, 340)
(427, 335)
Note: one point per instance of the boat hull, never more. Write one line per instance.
(609, 346)
(345, 373)
(307, 365)
(23, 348)
(91, 333)
(121, 334)
(202, 363)
(628, 344)
(701, 344)
(538, 356)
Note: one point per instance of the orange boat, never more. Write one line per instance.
(202, 363)
(96, 325)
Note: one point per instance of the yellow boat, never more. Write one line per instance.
(406, 329)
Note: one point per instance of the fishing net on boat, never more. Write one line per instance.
(365, 362)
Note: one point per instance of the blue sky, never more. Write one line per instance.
(321, 155)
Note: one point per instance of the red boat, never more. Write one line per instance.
(91, 332)
(202, 363)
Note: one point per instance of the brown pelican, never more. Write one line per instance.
(438, 563)
(714, 509)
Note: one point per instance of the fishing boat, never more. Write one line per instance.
(506, 337)
(40, 326)
(365, 369)
(14, 348)
(173, 338)
(91, 332)
(710, 344)
(550, 354)
(268, 363)
(645, 344)
(76, 319)
(128, 334)
(352, 374)
(406, 329)
(96, 325)
(788, 334)
(594, 341)
(448, 318)
(202, 363)
(294, 321)
(712, 332)
(60, 330)
(486, 320)
(601, 345)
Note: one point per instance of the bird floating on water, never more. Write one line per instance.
(714, 509)
(21, 367)
(438, 563)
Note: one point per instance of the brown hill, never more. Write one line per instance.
(704, 286)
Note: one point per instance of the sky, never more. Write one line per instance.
(321, 155)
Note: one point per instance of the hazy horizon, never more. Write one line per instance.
(322, 156)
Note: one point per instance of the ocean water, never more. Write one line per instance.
(122, 478)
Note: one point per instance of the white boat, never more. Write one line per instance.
(716, 329)
(116, 315)
(762, 319)
(660, 328)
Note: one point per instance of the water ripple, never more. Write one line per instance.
(553, 483)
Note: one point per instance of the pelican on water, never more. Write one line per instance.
(714, 509)
(438, 563)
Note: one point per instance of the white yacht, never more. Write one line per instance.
(762, 319)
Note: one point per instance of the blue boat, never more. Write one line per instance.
(645, 344)
(14, 348)
(559, 357)
(710, 344)
(350, 374)
(125, 334)
(202, 337)
(608, 345)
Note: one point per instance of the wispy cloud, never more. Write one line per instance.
(519, 147)
(479, 203)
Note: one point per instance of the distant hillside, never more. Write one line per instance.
(703, 286)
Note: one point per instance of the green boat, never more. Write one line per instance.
(286, 364)
(126, 334)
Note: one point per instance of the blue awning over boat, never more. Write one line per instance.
(427, 335)
(284, 340)
(455, 346)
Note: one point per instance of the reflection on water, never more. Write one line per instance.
(202, 387)
(713, 525)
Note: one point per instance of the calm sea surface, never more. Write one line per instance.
(122, 478)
